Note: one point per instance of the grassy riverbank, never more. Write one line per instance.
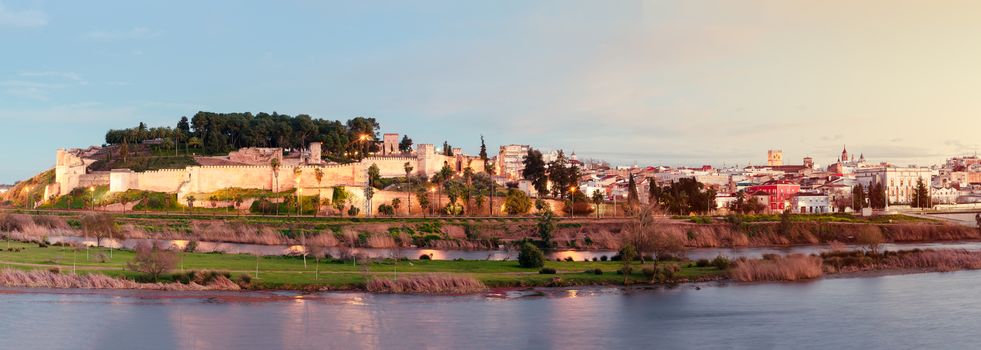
(289, 272)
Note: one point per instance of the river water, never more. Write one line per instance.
(934, 310)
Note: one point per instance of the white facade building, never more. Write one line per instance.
(811, 203)
(900, 183)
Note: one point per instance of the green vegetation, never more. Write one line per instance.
(30, 190)
(289, 272)
(218, 133)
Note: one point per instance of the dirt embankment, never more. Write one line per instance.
(465, 233)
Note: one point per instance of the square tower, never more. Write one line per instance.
(774, 157)
(391, 144)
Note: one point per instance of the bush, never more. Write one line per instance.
(568, 258)
(425, 257)
(353, 211)
(597, 272)
(191, 246)
(386, 209)
(530, 256)
(603, 258)
(547, 271)
(516, 202)
(703, 263)
(721, 262)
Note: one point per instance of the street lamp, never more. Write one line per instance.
(572, 193)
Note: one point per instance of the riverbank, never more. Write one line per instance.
(28, 264)
(466, 233)
(335, 273)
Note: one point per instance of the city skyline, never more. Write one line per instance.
(656, 83)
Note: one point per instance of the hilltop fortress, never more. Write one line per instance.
(251, 168)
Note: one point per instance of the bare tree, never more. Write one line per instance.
(152, 260)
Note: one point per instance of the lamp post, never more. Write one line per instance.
(572, 193)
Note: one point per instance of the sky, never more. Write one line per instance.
(631, 82)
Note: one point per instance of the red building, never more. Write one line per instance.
(780, 192)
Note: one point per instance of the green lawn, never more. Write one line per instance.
(290, 273)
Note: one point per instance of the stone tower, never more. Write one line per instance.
(390, 143)
(315, 153)
(774, 157)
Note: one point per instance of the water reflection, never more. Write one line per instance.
(906, 311)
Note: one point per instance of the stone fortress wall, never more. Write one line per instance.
(71, 172)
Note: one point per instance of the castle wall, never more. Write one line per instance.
(98, 178)
(166, 180)
(391, 166)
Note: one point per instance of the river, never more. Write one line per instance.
(933, 310)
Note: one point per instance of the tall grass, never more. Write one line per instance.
(939, 260)
(777, 268)
(426, 284)
(47, 279)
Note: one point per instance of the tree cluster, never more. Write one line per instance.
(562, 173)
(685, 196)
(219, 133)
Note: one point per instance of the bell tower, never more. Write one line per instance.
(774, 157)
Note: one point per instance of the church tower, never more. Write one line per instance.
(844, 154)
(774, 157)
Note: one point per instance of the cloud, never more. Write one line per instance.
(22, 18)
(71, 76)
(38, 85)
(132, 34)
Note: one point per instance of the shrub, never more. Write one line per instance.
(547, 271)
(702, 263)
(721, 262)
(603, 258)
(191, 246)
(597, 272)
(516, 202)
(530, 256)
(425, 257)
(353, 211)
(568, 258)
(385, 209)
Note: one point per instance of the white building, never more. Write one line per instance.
(511, 161)
(811, 203)
(944, 195)
(900, 183)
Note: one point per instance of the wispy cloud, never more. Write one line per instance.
(70, 76)
(131, 34)
(22, 18)
(38, 85)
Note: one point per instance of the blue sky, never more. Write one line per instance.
(652, 82)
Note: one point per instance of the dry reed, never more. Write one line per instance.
(787, 268)
(47, 279)
(426, 284)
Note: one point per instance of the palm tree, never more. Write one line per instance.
(408, 195)
(274, 164)
(190, 201)
(238, 202)
(597, 199)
